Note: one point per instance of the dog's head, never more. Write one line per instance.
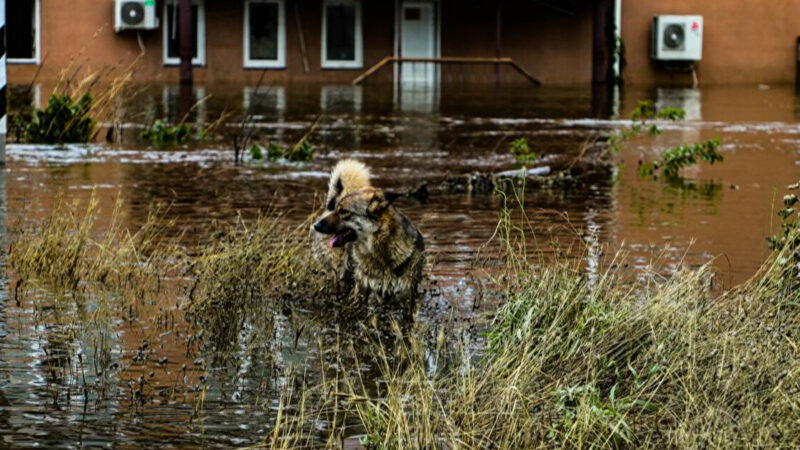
(355, 216)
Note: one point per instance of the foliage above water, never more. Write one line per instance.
(159, 133)
(672, 160)
(522, 151)
(642, 119)
(64, 120)
(683, 156)
(303, 151)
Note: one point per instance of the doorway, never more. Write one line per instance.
(419, 39)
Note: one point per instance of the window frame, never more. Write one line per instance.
(280, 62)
(37, 38)
(200, 59)
(356, 63)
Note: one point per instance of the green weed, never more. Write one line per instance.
(303, 151)
(520, 149)
(64, 120)
(159, 134)
(683, 156)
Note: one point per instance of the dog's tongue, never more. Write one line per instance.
(333, 241)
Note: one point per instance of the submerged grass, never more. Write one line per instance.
(570, 360)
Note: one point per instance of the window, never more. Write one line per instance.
(22, 31)
(172, 33)
(341, 34)
(264, 34)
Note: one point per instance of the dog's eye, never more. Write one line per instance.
(331, 204)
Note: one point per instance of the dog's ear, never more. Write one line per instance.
(338, 188)
(391, 196)
(380, 201)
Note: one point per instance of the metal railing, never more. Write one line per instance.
(446, 60)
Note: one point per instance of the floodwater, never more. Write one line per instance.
(720, 214)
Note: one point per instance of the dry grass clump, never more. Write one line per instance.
(244, 267)
(67, 252)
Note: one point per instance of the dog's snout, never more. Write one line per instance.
(325, 225)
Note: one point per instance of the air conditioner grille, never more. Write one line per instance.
(132, 13)
(674, 36)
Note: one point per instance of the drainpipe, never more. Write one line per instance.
(185, 50)
(498, 36)
(3, 200)
(617, 36)
(398, 13)
(3, 98)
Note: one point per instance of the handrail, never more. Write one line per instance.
(446, 60)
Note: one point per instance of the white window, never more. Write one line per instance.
(23, 35)
(172, 33)
(264, 34)
(341, 34)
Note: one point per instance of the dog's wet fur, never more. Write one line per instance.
(371, 248)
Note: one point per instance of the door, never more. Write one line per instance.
(418, 31)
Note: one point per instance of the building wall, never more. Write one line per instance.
(554, 44)
(78, 37)
(745, 41)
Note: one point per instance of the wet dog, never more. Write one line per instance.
(385, 250)
(347, 177)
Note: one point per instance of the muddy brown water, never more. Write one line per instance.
(721, 214)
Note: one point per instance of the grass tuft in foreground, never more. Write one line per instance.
(578, 361)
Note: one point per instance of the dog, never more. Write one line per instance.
(347, 176)
(385, 249)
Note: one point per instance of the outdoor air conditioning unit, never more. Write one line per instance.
(678, 38)
(135, 15)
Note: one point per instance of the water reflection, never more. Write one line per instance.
(341, 98)
(264, 102)
(417, 97)
(171, 110)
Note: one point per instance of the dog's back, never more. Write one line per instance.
(391, 263)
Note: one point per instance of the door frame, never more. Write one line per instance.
(437, 35)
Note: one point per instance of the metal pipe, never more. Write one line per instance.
(446, 60)
(185, 45)
(3, 91)
(617, 39)
(497, 39)
(399, 54)
(600, 42)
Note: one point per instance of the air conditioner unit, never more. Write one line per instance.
(135, 15)
(677, 38)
